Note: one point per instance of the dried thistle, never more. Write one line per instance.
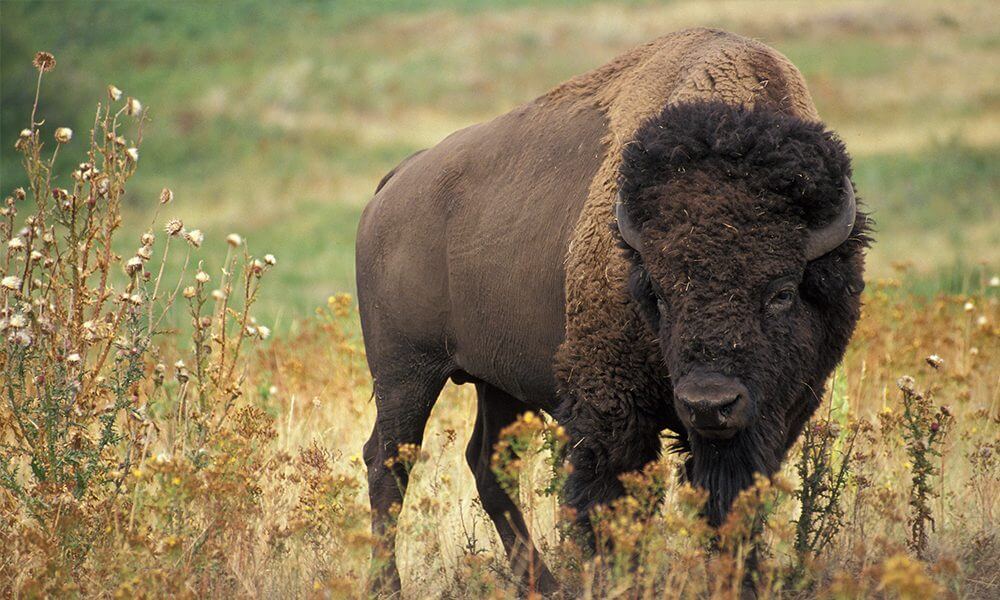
(174, 227)
(44, 61)
(133, 107)
(63, 134)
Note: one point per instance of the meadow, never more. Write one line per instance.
(196, 430)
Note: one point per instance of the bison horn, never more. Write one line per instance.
(625, 227)
(828, 237)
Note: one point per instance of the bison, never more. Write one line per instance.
(668, 242)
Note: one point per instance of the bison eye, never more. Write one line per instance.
(661, 304)
(782, 299)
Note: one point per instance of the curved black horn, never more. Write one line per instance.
(828, 237)
(625, 227)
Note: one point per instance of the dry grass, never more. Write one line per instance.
(447, 546)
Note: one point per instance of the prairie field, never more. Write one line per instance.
(184, 389)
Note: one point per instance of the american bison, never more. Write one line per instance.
(668, 242)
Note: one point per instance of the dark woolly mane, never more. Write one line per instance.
(764, 152)
(770, 151)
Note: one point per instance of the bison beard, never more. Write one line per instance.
(728, 468)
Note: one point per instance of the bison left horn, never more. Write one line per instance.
(627, 230)
(828, 237)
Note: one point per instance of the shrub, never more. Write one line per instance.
(107, 453)
(924, 429)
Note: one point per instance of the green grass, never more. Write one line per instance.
(847, 57)
(935, 210)
(277, 119)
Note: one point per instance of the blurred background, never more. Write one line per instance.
(277, 119)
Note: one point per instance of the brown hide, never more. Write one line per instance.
(462, 250)
(489, 249)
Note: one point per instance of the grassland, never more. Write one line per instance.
(277, 119)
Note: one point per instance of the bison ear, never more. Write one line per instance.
(626, 228)
(641, 290)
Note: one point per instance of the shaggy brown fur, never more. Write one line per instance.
(489, 259)
(602, 327)
(724, 196)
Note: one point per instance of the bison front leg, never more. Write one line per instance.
(497, 410)
(602, 448)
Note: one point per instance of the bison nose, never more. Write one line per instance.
(714, 405)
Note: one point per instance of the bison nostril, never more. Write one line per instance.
(727, 408)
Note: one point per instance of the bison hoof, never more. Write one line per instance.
(386, 585)
(546, 584)
(748, 591)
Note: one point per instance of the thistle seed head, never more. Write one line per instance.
(134, 265)
(174, 227)
(194, 237)
(44, 61)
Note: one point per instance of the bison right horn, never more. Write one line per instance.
(828, 237)
(625, 227)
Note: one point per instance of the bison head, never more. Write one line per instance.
(747, 257)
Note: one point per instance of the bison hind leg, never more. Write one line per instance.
(496, 410)
(403, 405)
